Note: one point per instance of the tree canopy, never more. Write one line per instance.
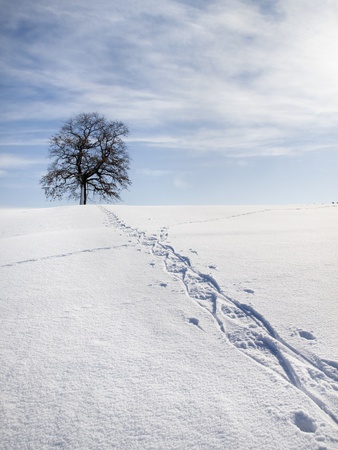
(90, 156)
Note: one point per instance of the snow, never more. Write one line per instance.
(204, 327)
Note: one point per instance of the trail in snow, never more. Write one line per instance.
(226, 218)
(244, 327)
(62, 255)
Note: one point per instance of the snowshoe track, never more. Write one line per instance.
(243, 326)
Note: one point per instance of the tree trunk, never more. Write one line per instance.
(83, 198)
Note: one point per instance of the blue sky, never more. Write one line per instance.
(227, 101)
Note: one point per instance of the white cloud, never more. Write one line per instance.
(227, 78)
(8, 161)
(180, 183)
(12, 141)
(178, 179)
(154, 172)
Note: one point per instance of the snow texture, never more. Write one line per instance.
(169, 327)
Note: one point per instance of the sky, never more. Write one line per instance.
(227, 101)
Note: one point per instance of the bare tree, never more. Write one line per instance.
(90, 157)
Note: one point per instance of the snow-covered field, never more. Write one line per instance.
(169, 327)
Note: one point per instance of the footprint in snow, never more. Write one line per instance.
(304, 422)
(306, 335)
(195, 322)
(249, 291)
